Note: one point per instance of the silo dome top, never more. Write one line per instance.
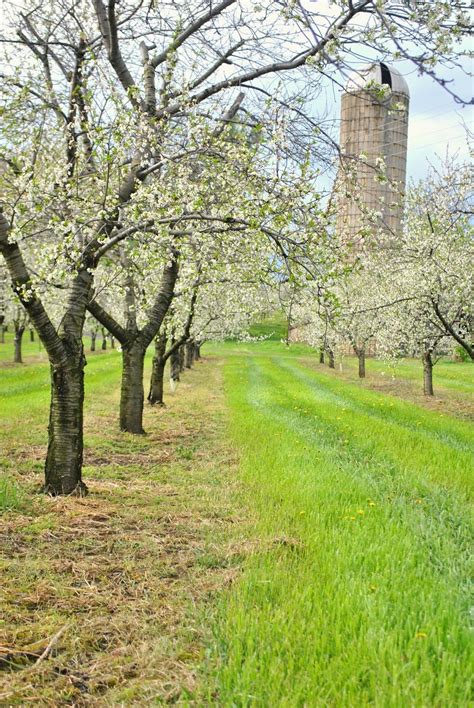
(378, 73)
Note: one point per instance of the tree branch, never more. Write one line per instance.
(275, 67)
(107, 321)
(190, 30)
(162, 301)
(108, 29)
(23, 288)
(450, 329)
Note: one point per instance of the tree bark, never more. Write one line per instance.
(93, 338)
(32, 335)
(112, 341)
(181, 358)
(360, 352)
(155, 395)
(2, 333)
(197, 351)
(321, 356)
(175, 365)
(189, 354)
(134, 343)
(17, 358)
(63, 469)
(427, 373)
(132, 394)
(104, 340)
(331, 359)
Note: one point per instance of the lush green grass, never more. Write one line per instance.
(273, 328)
(28, 348)
(349, 516)
(446, 373)
(359, 590)
(11, 496)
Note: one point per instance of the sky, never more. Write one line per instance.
(436, 122)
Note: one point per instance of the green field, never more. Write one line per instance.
(338, 530)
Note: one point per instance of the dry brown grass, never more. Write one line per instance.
(129, 573)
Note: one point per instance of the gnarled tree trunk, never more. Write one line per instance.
(132, 394)
(155, 395)
(427, 373)
(63, 469)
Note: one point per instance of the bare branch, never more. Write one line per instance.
(191, 29)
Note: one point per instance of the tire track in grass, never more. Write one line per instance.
(402, 483)
(334, 618)
(385, 407)
(330, 438)
(417, 444)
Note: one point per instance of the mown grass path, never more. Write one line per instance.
(359, 590)
(121, 572)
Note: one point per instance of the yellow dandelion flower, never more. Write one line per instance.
(421, 635)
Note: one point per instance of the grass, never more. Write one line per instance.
(284, 536)
(122, 571)
(11, 496)
(359, 593)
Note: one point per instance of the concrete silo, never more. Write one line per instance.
(374, 125)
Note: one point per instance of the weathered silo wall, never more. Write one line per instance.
(374, 127)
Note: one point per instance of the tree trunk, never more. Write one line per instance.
(189, 354)
(174, 366)
(104, 340)
(93, 338)
(132, 394)
(361, 357)
(32, 335)
(155, 395)
(112, 341)
(427, 374)
(197, 351)
(65, 437)
(321, 356)
(2, 333)
(17, 358)
(331, 358)
(181, 358)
